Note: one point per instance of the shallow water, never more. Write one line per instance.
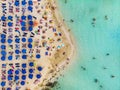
(97, 66)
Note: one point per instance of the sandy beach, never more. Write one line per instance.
(50, 45)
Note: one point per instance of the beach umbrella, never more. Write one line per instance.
(22, 82)
(9, 71)
(23, 28)
(23, 71)
(9, 40)
(3, 83)
(3, 46)
(24, 65)
(24, 2)
(29, 17)
(38, 56)
(17, 51)
(40, 68)
(16, 3)
(30, 28)
(9, 89)
(3, 18)
(3, 52)
(30, 76)
(24, 56)
(31, 70)
(10, 17)
(31, 23)
(23, 39)
(23, 23)
(31, 64)
(3, 36)
(23, 77)
(17, 72)
(29, 45)
(30, 8)
(3, 40)
(10, 24)
(17, 40)
(23, 50)
(30, 2)
(38, 76)
(3, 58)
(46, 53)
(16, 78)
(10, 57)
(30, 40)
(23, 17)
(9, 78)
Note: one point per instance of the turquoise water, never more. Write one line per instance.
(100, 41)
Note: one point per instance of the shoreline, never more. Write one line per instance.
(68, 34)
(65, 29)
(52, 76)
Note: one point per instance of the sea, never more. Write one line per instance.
(95, 26)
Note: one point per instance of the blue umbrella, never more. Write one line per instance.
(23, 28)
(3, 18)
(31, 64)
(9, 89)
(24, 56)
(30, 28)
(17, 72)
(40, 68)
(17, 3)
(38, 56)
(29, 17)
(22, 82)
(23, 17)
(31, 23)
(30, 40)
(10, 17)
(17, 40)
(23, 39)
(30, 76)
(10, 57)
(3, 40)
(23, 23)
(30, 45)
(38, 76)
(23, 71)
(9, 40)
(3, 36)
(9, 78)
(16, 78)
(24, 2)
(17, 51)
(3, 83)
(23, 77)
(3, 52)
(10, 71)
(23, 50)
(30, 2)
(31, 70)
(10, 24)
(24, 65)
(3, 58)
(3, 47)
(30, 8)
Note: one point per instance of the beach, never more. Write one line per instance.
(36, 44)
